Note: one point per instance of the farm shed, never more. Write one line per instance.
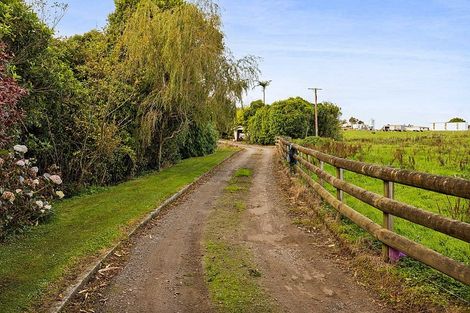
(413, 128)
(239, 133)
(449, 126)
(397, 128)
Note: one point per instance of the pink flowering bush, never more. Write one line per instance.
(25, 194)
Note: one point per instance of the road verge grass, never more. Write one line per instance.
(36, 263)
(230, 273)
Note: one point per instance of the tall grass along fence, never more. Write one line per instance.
(303, 161)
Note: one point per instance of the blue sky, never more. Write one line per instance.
(394, 61)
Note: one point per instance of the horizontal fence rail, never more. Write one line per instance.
(446, 185)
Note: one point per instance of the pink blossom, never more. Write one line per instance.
(56, 179)
(35, 169)
(9, 196)
(21, 163)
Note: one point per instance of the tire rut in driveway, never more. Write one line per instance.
(163, 272)
(300, 276)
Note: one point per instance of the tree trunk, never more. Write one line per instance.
(160, 152)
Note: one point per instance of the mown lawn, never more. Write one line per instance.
(82, 227)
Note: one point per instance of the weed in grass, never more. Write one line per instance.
(240, 206)
(233, 188)
(244, 172)
(456, 208)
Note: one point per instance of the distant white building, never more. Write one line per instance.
(413, 128)
(449, 126)
(355, 126)
(360, 127)
(394, 128)
(239, 133)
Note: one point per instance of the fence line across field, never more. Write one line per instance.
(385, 203)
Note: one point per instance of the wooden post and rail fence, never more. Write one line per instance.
(441, 184)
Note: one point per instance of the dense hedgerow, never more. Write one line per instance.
(107, 105)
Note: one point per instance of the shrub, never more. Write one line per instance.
(260, 128)
(293, 118)
(200, 140)
(10, 94)
(25, 195)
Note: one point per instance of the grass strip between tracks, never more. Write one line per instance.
(230, 273)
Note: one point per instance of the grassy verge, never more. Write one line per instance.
(230, 274)
(34, 263)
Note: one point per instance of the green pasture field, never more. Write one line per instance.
(441, 153)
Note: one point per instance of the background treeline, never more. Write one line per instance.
(156, 85)
(293, 117)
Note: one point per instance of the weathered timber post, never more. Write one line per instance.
(387, 218)
(279, 147)
(339, 192)
(320, 181)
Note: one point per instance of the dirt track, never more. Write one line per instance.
(164, 271)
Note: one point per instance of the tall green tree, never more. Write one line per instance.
(248, 112)
(178, 62)
(329, 124)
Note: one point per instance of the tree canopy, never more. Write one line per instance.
(457, 120)
(293, 117)
(155, 86)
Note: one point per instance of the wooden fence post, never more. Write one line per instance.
(387, 218)
(320, 181)
(339, 192)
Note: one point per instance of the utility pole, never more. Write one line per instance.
(316, 108)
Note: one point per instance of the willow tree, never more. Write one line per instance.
(177, 59)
